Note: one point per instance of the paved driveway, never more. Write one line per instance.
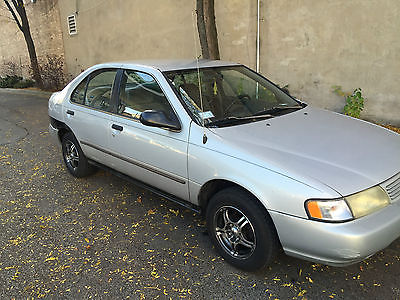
(105, 238)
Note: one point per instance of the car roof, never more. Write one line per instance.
(174, 64)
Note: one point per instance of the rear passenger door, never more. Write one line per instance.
(89, 113)
(153, 155)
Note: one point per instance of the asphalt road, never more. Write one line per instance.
(102, 237)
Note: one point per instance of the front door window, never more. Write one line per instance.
(139, 92)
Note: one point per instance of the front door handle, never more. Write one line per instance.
(70, 112)
(117, 127)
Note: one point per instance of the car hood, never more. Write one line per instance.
(309, 145)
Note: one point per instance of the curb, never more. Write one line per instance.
(26, 92)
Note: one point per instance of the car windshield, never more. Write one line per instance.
(231, 95)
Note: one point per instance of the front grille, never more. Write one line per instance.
(392, 187)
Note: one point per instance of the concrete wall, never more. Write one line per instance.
(44, 21)
(114, 30)
(312, 45)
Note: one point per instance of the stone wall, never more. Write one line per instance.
(44, 21)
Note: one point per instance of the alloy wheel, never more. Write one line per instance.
(234, 232)
(71, 154)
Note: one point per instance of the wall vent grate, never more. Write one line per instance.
(72, 28)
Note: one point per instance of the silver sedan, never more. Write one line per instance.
(268, 171)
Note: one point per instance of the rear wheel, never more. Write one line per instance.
(241, 229)
(74, 159)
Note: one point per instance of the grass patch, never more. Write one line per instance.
(15, 82)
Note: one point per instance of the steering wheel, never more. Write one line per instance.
(100, 100)
(105, 102)
(240, 98)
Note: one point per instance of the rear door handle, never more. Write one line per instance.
(117, 127)
(70, 112)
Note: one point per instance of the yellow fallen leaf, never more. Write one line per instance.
(50, 259)
(302, 293)
(175, 212)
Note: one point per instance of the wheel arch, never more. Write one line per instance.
(213, 186)
(61, 127)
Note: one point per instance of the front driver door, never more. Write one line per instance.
(152, 155)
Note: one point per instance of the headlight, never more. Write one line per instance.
(329, 210)
(350, 207)
(368, 201)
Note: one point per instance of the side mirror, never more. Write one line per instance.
(156, 118)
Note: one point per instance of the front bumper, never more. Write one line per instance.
(338, 244)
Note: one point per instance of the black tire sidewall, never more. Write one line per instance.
(267, 243)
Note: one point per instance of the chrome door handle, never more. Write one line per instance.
(70, 112)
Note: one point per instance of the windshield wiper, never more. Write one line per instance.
(276, 109)
(237, 120)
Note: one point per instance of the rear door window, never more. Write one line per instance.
(96, 90)
(99, 90)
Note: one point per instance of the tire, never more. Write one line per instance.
(74, 159)
(241, 229)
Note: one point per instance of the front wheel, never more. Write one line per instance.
(74, 159)
(241, 229)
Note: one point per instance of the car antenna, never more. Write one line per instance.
(198, 78)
